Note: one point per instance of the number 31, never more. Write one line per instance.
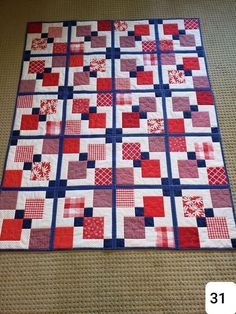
(214, 296)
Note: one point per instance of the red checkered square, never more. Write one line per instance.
(216, 175)
(74, 207)
(165, 237)
(123, 99)
(217, 228)
(34, 208)
(24, 153)
(204, 151)
(104, 100)
(25, 101)
(103, 176)
(73, 127)
(131, 151)
(149, 45)
(125, 198)
(77, 47)
(53, 127)
(191, 24)
(36, 66)
(150, 59)
(96, 151)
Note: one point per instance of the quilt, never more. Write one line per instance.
(115, 141)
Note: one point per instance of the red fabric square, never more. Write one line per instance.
(130, 119)
(97, 120)
(170, 29)
(177, 144)
(71, 145)
(12, 178)
(93, 228)
(103, 176)
(63, 238)
(34, 28)
(104, 84)
(141, 30)
(176, 125)
(145, 78)
(76, 61)
(188, 237)
(50, 79)
(80, 105)
(153, 206)
(29, 122)
(104, 25)
(59, 47)
(205, 98)
(151, 168)
(131, 151)
(191, 63)
(11, 229)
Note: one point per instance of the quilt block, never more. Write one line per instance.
(115, 142)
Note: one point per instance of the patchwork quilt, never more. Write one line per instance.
(115, 141)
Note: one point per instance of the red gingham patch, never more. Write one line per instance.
(216, 175)
(73, 127)
(125, 198)
(25, 101)
(103, 176)
(53, 127)
(150, 59)
(149, 45)
(123, 99)
(36, 66)
(217, 228)
(165, 237)
(96, 151)
(131, 151)
(77, 47)
(34, 208)
(104, 99)
(74, 207)
(204, 151)
(24, 154)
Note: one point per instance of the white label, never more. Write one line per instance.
(220, 297)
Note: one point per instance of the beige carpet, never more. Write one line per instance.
(127, 281)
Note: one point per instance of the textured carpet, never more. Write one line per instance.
(128, 281)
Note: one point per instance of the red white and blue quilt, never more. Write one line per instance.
(115, 141)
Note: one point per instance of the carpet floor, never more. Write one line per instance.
(127, 281)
